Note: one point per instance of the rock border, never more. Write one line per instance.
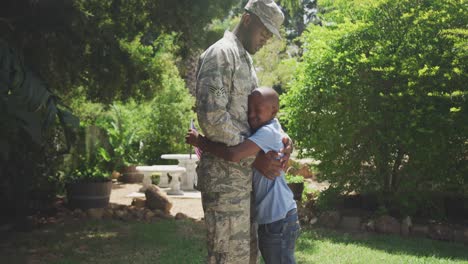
(384, 224)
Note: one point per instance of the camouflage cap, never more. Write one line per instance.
(269, 13)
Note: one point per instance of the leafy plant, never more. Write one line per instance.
(290, 178)
(380, 97)
(89, 161)
(89, 171)
(122, 137)
(328, 199)
(37, 130)
(83, 44)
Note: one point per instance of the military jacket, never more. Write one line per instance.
(225, 78)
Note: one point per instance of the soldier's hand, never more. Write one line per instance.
(192, 138)
(268, 164)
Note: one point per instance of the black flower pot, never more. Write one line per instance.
(85, 195)
(297, 189)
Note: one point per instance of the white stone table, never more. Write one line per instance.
(175, 170)
(189, 162)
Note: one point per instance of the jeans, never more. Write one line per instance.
(278, 239)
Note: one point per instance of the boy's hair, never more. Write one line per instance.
(268, 94)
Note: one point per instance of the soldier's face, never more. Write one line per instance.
(260, 111)
(257, 35)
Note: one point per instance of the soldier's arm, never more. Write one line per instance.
(270, 164)
(214, 80)
(234, 153)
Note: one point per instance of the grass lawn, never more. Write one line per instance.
(178, 242)
(329, 246)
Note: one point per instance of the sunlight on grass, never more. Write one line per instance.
(99, 235)
(180, 242)
(328, 246)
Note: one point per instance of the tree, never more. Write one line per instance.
(82, 42)
(107, 49)
(380, 99)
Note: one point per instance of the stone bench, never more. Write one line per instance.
(189, 162)
(174, 170)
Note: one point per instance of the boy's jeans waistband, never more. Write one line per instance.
(288, 214)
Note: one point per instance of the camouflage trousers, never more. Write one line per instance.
(231, 234)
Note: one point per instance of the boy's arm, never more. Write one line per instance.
(235, 153)
(270, 164)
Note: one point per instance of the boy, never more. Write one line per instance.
(276, 210)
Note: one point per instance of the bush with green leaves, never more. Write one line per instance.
(139, 130)
(291, 178)
(276, 63)
(381, 98)
(85, 42)
(88, 159)
(139, 133)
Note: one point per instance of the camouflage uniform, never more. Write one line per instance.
(225, 78)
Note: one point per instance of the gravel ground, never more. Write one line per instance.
(190, 204)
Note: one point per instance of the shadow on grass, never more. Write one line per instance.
(164, 241)
(392, 244)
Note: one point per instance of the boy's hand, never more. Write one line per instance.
(193, 138)
(286, 151)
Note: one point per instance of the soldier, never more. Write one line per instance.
(225, 78)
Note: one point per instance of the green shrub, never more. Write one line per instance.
(290, 178)
(328, 199)
(155, 178)
(380, 98)
(88, 160)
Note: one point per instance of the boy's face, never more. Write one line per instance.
(260, 111)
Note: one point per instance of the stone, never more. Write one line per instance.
(440, 232)
(420, 230)
(387, 225)
(460, 235)
(313, 221)
(95, 213)
(141, 213)
(305, 172)
(161, 214)
(113, 206)
(139, 202)
(149, 215)
(330, 219)
(405, 226)
(370, 226)
(156, 199)
(108, 213)
(181, 216)
(350, 223)
(78, 213)
(465, 236)
(62, 215)
(119, 214)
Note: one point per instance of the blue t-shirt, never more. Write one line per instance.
(273, 198)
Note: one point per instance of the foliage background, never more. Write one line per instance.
(380, 99)
(375, 90)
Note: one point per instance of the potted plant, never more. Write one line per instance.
(296, 184)
(125, 146)
(89, 185)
